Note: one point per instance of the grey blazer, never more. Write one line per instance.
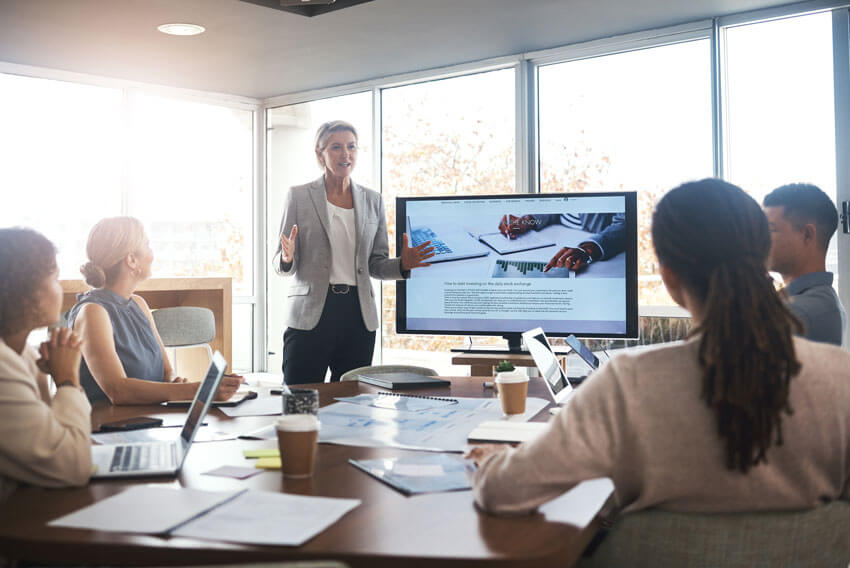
(306, 206)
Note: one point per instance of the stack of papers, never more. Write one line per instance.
(252, 517)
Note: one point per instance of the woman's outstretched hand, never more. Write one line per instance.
(415, 257)
(287, 245)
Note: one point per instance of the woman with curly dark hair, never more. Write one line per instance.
(44, 440)
(742, 416)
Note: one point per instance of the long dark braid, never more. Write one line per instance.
(715, 238)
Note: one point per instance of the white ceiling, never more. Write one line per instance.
(258, 52)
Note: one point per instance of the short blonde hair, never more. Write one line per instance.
(324, 132)
(110, 241)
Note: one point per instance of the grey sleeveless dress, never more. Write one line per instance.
(134, 337)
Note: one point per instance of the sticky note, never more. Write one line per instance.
(264, 453)
(268, 463)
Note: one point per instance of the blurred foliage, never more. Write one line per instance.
(464, 155)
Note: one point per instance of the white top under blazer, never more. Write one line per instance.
(342, 245)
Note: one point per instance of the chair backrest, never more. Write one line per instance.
(378, 369)
(184, 325)
(814, 538)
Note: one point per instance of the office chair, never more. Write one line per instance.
(378, 369)
(814, 538)
(185, 326)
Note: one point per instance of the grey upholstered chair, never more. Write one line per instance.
(185, 326)
(378, 369)
(811, 539)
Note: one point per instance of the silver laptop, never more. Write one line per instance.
(448, 243)
(160, 458)
(548, 365)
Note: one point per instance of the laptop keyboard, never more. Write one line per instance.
(424, 234)
(144, 457)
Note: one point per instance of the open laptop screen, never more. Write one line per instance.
(203, 398)
(547, 363)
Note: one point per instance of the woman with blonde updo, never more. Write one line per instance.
(123, 356)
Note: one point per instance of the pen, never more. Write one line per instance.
(487, 384)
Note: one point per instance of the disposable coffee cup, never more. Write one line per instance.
(297, 440)
(513, 390)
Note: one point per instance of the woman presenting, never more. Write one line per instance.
(333, 237)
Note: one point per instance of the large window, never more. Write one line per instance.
(448, 137)
(639, 120)
(189, 178)
(62, 160)
(292, 161)
(74, 154)
(780, 119)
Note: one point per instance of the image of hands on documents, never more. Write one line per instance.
(510, 245)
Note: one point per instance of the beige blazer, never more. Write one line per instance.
(43, 441)
(306, 206)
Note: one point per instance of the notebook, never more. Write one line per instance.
(399, 401)
(160, 458)
(504, 245)
(507, 432)
(428, 473)
(394, 381)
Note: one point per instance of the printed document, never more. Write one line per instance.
(155, 509)
(264, 517)
(252, 517)
(580, 504)
(438, 429)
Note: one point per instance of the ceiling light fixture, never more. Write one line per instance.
(181, 29)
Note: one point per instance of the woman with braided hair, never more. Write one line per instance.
(742, 416)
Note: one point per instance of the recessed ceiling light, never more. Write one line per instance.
(181, 29)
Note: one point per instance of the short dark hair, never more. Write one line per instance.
(26, 258)
(806, 203)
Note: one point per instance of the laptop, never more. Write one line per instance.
(160, 458)
(548, 365)
(449, 244)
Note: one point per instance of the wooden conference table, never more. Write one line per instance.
(387, 529)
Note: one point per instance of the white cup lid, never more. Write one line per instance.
(515, 376)
(298, 423)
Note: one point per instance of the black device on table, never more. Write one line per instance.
(135, 423)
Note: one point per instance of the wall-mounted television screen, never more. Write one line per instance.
(493, 271)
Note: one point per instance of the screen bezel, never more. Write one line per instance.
(631, 332)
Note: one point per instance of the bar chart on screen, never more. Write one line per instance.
(527, 269)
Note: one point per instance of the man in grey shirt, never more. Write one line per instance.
(802, 220)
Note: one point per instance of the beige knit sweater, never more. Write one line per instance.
(641, 422)
(43, 441)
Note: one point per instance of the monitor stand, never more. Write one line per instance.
(514, 346)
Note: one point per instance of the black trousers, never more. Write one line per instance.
(340, 341)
